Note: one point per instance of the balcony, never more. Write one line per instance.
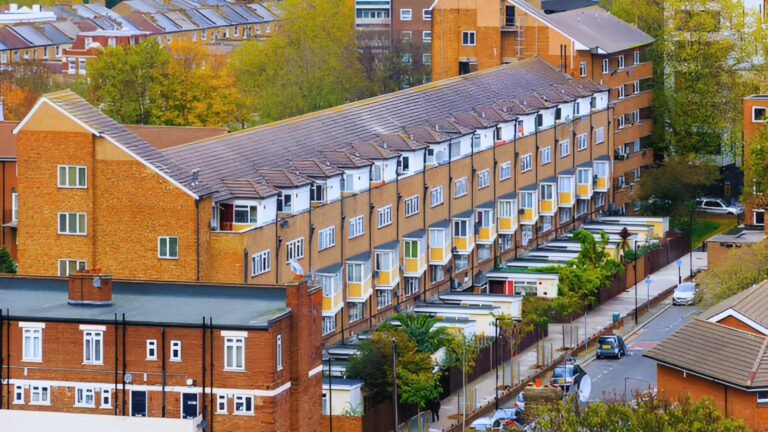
(631, 161)
(528, 216)
(507, 225)
(386, 272)
(360, 290)
(332, 303)
(464, 244)
(414, 253)
(584, 190)
(439, 245)
(548, 207)
(566, 199)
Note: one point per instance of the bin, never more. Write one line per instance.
(615, 318)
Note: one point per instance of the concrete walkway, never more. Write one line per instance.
(597, 319)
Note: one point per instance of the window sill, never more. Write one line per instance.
(175, 361)
(18, 403)
(235, 370)
(84, 406)
(40, 403)
(92, 364)
(242, 413)
(168, 258)
(105, 407)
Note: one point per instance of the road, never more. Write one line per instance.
(609, 376)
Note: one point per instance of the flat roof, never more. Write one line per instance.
(739, 235)
(161, 303)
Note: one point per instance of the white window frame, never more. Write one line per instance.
(408, 247)
(230, 361)
(506, 209)
(606, 66)
(326, 238)
(64, 176)
(43, 393)
(18, 394)
(620, 62)
(754, 216)
(81, 397)
(635, 87)
(355, 265)
(426, 14)
(545, 155)
(765, 114)
(468, 38)
(294, 249)
(505, 171)
(426, 36)
(483, 178)
(411, 286)
(279, 352)
(565, 147)
(581, 142)
(241, 399)
(261, 262)
(583, 69)
(411, 205)
(384, 216)
(175, 346)
(406, 14)
(81, 223)
(105, 398)
(636, 57)
(599, 135)
(526, 162)
(460, 187)
(356, 226)
(436, 196)
(78, 264)
(763, 399)
(151, 349)
(329, 324)
(620, 122)
(620, 92)
(252, 212)
(168, 252)
(33, 335)
(221, 403)
(92, 355)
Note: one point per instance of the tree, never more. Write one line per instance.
(756, 166)
(121, 80)
(309, 63)
(670, 187)
(7, 265)
(648, 413)
(421, 330)
(197, 89)
(592, 268)
(746, 266)
(461, 351)
(21, 86)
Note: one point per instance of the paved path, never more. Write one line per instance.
(598, 318)
(609, 376)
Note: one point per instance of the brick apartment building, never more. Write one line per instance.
(8, 185)
(721, 354)
(588, 42)
(412, 22)
(236, 357)
(382, 202)
(755, 116)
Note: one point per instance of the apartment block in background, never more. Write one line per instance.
(233, 357)
(382, 202)
(586, 43)
(755, 116)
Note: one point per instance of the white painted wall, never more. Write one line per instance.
(27, 421)
(548, 118)
(333, 188)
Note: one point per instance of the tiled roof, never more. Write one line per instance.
(716, 351)
(245, 188)
(751, 303)
(280, 177)
(31, 35)
(170, 136)
(86, 113)
(597, 29)
(399, 142)
(472, 120)
(343, 159)
(11, 39)
(372, 151)
(314, 168)
(7, 140)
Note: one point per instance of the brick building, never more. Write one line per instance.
(237, 358)
(755, 116)
(382, 202)
(412, 22)
(721, 354)
(8, 185)
(589, 43)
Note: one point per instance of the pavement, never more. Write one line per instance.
(483, 389)
(619, 379)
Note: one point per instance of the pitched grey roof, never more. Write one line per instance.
(77, 107)
(716, 351)
(752, 303)
(245, 188)
(147, 302)
(309, 136)
(597, 29)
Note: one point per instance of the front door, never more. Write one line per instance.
(188, 405)
(138, 403)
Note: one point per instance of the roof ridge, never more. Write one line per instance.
(758, 360)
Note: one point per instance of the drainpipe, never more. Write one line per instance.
(197, 238)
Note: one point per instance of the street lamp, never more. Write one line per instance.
(690, 239)
(330, 394)
(679, 263)
(496, 341)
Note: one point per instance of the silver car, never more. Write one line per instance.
(684, 294)
(717, 206)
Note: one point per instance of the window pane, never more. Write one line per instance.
(63, 222)
(81, 223)
(163, 247)
(239, 357)
(173, 248)
(71, 176)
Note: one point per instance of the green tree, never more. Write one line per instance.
(461, 351)
(309, 63)
(592, 268)
(7, 265)
(420, 328)
(121, 80)
(756, 168)
(670, 187)
(743, 268)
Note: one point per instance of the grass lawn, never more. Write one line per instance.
(705, 226)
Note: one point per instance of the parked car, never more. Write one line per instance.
(684, 294)
(519, 401)
(502, 419)
(611, 346)
(717, 206)
(566, 375)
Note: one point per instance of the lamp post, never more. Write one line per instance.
(690, 239)
(330, 394)
(679, 263)
(496, 341)
(394, 382)
(648, 287)
(463, 384)
(634, 265)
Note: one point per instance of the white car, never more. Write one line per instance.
(717, 206)
(684, 294)
(502, 417)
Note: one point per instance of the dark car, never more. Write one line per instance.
(566, 375)
(611, 346)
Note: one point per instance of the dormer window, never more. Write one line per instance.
(317, 193)
(376, 173)
(404, 164)
(347, 181)
(285, 203)
(245, 214)
(430, 155)
(476, 141)
(88, 42)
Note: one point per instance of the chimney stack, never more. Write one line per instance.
(90, 287)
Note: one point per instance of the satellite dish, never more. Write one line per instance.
(128, 378)
(97, 282)
(585, 388)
